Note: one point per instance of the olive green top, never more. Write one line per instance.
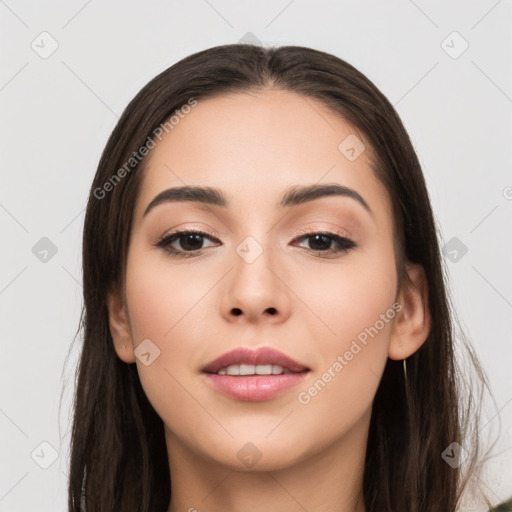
(506, 506)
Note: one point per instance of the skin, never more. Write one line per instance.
(253, 146)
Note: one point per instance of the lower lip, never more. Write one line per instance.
(254, 388)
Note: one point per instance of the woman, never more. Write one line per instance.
(266, 325)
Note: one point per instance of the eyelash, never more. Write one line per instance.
(165, 242)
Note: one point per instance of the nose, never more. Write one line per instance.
(256, 291)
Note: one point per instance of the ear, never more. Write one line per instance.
(412, 323)
(120, 326)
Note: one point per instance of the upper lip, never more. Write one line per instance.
(263, 356)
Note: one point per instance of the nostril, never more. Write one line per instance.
(237, 311)
(272, 311)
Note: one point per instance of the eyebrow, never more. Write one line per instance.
(293, 196)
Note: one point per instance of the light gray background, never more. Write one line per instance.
(57, 113)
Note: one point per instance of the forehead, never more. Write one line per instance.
(254, 145)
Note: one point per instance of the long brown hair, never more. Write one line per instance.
(118, 449)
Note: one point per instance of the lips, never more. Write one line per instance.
(244, 374)
(262, 356)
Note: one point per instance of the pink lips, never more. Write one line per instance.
(254, 387)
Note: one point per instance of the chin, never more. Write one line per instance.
(257, 453)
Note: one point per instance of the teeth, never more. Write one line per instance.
(233, 370)
(247, 369)
(251, 369)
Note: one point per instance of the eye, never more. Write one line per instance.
(321, 242)
(190, 240)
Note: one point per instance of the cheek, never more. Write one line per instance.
(161, 295)
(163, 308)
(350, 296)
(355, 301)
(171, 305)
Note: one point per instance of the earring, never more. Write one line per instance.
(405, 368)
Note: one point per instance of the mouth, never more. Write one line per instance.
(254, 375)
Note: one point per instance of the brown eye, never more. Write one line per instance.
(188, 241)
(322, 242)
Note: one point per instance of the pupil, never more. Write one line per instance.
(325, 245)
(191, 246)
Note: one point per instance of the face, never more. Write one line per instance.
(315, 280)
